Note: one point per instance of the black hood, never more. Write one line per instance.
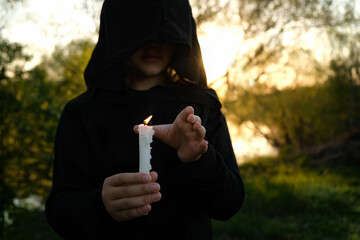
(127, 25)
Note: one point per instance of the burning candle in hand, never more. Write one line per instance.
(145, 139)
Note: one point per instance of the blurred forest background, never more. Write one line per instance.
(295, 81)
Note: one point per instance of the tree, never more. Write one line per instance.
(207, 11)
(7, 6)
(297, 115)
(203, 10)
(11, 56)
(31, 103)
(66, 67)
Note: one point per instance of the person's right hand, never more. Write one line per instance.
(129, 195)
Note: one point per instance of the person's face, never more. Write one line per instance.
(152, 60)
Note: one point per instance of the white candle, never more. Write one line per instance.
(145, 139)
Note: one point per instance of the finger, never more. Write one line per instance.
(193, 119)
(136, 129)
(125, 209)
(135, 202)
(161, 131)
(154, 176)
(129, 214)
(199, 149)
(199, 131)
(204, 145)
(127, 178)
(134, 190)
(202, 148)
(183, 115)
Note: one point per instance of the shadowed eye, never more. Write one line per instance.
(125, 17)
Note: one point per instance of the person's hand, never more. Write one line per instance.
(130, 195)
(186, 135)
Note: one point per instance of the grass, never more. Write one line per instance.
(296, 200)
(285, 199)
(29, 224)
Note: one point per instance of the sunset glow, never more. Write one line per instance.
(40, 26)
(219, 47)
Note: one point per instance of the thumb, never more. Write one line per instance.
(161, 131)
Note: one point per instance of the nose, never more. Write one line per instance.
(153, 45)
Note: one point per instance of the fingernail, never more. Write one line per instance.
(147, 209)
(155, 187)
(156, 197)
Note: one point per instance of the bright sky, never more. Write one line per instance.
(219, 48)
(41, 24)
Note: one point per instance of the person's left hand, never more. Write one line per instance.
(186, 135)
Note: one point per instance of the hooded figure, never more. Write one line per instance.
(126, 26)
(95, 140)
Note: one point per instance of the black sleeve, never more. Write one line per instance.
(215, 179)
(74, 207)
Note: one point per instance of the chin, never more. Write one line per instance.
(153, 72)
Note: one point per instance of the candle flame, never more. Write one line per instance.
(146, 121)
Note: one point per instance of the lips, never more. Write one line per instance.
(151, 57)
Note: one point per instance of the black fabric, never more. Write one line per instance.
(95, 139)
(125, 26)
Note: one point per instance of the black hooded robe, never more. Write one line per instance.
(95, 137)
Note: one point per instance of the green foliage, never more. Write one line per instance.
(29, 133)
(304, 116)
(286, 198)
(310, 111)
(282, 194)
(66, 66)
(275, 31)
(295, 199)
(264, 15)
(31, 103)
(10, 57)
